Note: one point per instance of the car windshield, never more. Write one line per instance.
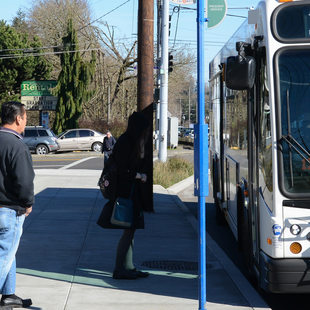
(294, 89)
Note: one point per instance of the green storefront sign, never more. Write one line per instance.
(37, 88)
(37, 95)
(216, 12)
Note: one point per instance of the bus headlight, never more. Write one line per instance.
(295, 229)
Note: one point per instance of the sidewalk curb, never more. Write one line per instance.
(178, 187)
(248, 292)
(175, 153)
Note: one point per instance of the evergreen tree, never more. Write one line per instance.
(18, 63)
(20, 23)
(73, 83)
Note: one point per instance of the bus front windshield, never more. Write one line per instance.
(294, 91)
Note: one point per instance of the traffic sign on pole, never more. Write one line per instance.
(216, 12)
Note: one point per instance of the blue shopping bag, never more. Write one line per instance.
(122, 214)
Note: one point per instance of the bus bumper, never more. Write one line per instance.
(284, 275)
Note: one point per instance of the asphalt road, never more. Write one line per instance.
(89, 160)
(69, 160)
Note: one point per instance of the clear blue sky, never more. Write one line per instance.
(124, 19)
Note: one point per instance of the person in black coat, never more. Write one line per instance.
(108, 144)
(128, 154)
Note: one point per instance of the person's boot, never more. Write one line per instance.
(15, 301)
(125, 274)
(140, 274)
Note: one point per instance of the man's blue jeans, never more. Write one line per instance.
(106, 157)
(11, 228)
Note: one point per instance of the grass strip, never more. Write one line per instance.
(174, 170)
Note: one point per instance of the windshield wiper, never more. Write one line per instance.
(294, 144)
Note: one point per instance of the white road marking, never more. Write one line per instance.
(76, 163)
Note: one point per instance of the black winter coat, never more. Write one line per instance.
(127, 167)
(127, 157)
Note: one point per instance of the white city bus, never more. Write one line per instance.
(260, 142)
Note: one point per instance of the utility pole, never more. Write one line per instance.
(101, 66)
(158, 64)
(109, 103)
(163, 121)
(189, 106)
(145, 54)
(145, 89)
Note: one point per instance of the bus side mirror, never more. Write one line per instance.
(240, 72)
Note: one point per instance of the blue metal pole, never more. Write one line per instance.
(201, 154)
(203, 260)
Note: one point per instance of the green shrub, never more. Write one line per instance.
(173, 171)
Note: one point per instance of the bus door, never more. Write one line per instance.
(255, 128)
(253, 182)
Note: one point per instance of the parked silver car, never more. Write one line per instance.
(40, 140)
(80, 139)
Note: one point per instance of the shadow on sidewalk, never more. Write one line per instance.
(62, 242)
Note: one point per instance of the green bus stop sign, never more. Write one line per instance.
(216, 12)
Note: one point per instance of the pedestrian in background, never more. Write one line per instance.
(108, 144)
(16, 197)
(129, 156)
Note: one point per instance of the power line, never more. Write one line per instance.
(232, 15)
(33, 49)
(104, 15)
(184, 8)
(176, 28)
(194, 41)
(195, 9)
(13, 56)
(28, 49)
(243, 8)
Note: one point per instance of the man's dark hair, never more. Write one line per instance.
(10, 110)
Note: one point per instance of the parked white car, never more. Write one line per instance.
(80, 139)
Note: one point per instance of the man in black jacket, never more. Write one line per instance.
(108, 144)
(16, 197)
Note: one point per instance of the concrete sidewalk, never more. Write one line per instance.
(65, 261)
